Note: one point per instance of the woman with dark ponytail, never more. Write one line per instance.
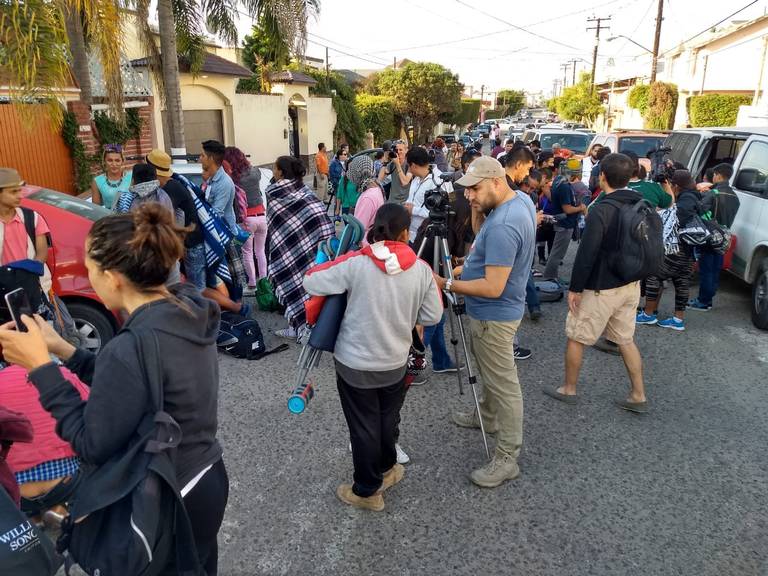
(129, 257)
(389, 290)
(296, 223)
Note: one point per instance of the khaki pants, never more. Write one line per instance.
(322, 187)
(502, 403)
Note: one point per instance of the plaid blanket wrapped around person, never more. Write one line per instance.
(297, 222)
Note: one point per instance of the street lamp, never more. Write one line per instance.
(654, 53)
(612, 38)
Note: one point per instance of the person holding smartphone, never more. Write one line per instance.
(129, 257)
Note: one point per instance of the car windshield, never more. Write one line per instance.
(640, 145)
(89, 210)
(575, 142)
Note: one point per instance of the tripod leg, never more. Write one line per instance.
(472, 383)
(457, 311)
(455, 344)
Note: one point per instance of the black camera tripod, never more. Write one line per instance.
(437, 232)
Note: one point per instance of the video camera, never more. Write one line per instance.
(660, 171)
(438, 200)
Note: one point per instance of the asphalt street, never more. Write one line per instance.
(679, 491)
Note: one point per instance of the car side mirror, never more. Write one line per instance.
(751, 180)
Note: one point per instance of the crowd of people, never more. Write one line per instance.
(173, 256)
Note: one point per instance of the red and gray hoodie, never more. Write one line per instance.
(389, 290)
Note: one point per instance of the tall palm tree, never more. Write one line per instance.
(35, 57)
(180, 24)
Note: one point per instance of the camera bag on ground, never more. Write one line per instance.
(127, 517)
(24, 549)
(242, 337)
(549, 291)
(640, 246)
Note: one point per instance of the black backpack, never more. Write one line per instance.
(640, 248)
(127, 517)
(242, 337)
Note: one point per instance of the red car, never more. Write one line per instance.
(70, 219)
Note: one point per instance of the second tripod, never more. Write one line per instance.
(437, 232)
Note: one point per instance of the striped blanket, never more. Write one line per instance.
(216, 234)
(297, 223)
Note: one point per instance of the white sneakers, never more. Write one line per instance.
(402, 457)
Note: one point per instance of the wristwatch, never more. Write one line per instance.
(448, 285)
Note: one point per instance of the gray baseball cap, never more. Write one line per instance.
(482, 168)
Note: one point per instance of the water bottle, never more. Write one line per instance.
(301, 396)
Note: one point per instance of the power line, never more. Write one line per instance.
(345, 53)
(708, 28)
(515, 26)
(486, 34)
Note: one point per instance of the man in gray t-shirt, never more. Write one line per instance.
(493, 279)
(398, 171)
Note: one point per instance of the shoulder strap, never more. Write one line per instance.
(30, 219)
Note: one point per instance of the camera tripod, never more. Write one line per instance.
(437, 232)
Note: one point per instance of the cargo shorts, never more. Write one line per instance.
(611, 312)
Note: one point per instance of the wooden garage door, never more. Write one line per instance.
(199, 126)
(35, 149)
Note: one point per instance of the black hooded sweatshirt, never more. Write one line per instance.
(119, 397)
(598, 243)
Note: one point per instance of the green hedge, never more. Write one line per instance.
(378, 116)
(470, 111)
(716, 109)
(638, 97)
(495, 114)
(662, 105)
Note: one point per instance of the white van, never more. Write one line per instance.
(747, 149)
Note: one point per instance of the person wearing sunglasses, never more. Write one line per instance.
(107, 186)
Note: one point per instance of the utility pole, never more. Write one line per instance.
(597, 28)
(327, 71)
(565, 73)
(482, 92)
(656, 40)
(394, 62)
(573, 62)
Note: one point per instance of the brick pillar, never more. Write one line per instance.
(82, 113)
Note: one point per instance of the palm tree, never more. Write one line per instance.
(181, 34)
(35, 41)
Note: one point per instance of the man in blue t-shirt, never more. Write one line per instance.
(493, 279)
(567, 211)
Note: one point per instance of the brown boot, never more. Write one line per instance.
(345, 494)
(392, 477)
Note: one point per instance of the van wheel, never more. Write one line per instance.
(760, 297)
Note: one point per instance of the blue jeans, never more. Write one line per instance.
(710, 264)
(531, 295)
(434, 337)
(194, 266)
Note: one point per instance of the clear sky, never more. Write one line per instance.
(488, 49)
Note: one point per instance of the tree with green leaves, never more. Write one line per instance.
(579, 102)
(35, 41)
(512, 101)
(424, 92)
(264, 51)
(377, 114)
(349, 126)
(181, 35)
(469, 111)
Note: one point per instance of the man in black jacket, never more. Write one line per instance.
(598, 300)
(722, 203)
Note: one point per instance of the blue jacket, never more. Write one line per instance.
(335, 171)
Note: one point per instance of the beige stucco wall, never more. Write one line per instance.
(321, 120)
(259, 128)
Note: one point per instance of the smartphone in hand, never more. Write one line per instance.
(18, 304)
